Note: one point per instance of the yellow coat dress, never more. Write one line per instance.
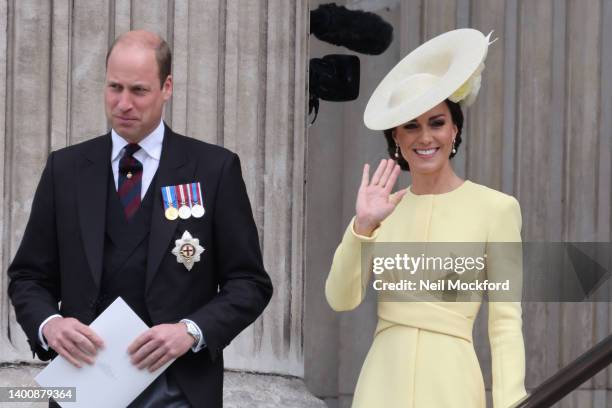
(422, 354)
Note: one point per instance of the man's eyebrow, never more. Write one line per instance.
(131, 86)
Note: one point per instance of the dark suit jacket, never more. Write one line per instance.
(60, 256)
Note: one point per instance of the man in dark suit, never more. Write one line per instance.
(100, 228)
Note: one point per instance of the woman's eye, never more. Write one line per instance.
(437, 123)
(410, 126)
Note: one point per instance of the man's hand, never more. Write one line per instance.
(72, 340)
(160, 344)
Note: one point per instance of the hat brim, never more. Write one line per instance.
(452, 57)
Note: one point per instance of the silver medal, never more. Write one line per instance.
(197, 211)
(184, 212)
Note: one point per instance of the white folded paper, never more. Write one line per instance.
(113, 381)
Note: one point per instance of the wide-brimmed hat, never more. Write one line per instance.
(447, 66)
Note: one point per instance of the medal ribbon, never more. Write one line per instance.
(168, 197)
(165, 197)
(181, 193)
(188, 188)
(200, 194)
(194, 189)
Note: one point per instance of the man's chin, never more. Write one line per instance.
(129, 134)
(125, 128)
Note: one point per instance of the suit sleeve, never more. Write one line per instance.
(244, 286)
(34, 281)
(505, 316)
(345, 287)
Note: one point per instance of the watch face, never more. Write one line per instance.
(193, 331)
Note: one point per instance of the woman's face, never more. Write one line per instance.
(426, 142)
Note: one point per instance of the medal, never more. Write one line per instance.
(169, 199)
(197, 209)
(187, 250)
(184, 201)
(171, 213)
(184, 211)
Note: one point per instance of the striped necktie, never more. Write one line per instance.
(130, 180)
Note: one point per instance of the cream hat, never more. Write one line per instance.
(447, 66)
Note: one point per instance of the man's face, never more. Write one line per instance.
(133, 97)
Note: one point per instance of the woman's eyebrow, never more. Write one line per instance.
(437, 116)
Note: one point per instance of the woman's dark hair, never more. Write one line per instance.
(457, 117)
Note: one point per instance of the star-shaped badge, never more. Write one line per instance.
(187, 250)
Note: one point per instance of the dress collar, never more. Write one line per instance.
(151, 144)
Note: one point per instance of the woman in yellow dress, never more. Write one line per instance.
(422, 355)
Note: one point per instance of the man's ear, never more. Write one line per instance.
(167, 87)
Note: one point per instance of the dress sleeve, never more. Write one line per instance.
(505, 321)
(345, 287)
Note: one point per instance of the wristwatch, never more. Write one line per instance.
(193, 331)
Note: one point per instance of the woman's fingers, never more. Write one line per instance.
(388, 170)
(365, 178)
(379, 172)
(392, 178)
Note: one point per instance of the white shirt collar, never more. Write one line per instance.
(151, 144)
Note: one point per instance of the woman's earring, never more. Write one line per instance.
(454, 149)
(396, 151)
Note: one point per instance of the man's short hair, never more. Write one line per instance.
(163, 56)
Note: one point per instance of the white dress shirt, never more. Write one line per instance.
(149, 155)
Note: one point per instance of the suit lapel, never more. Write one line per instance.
(92, 185)
(173, 169)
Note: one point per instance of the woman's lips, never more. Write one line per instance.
(426, 153)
